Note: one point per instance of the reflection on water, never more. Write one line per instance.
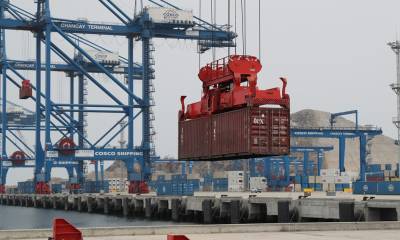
(35, 218)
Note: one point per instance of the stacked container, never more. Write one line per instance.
(27, 187)
(236, 181)
(220, 184)
(179, 185)
(56, 188)
(95, 187)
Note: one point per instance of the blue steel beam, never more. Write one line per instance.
(335, 115)
(333, 132)
(170, 31)
(102, 68)
(62, 67)
(114, 9)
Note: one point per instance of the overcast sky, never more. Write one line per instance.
(333, 53)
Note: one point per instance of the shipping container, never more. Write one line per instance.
(27, 187)
(258, 183)
(374, 168)
(103, 57)
(377, 188)
(170, 15)
(97, 187)
(164, 188)
(388, 167)
(244, 133)
(56, 188)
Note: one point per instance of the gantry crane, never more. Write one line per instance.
(364, 134)
(71, 143)
(304, 161)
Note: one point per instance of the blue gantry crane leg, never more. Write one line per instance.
(4, 104)
(342, 139)
(286, 162)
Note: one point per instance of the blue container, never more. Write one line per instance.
(164, 188)
(188, 189)
(195, 184)
(179, 177)
(377, 188)
(161, 178)
(374, 168)
(365, 188)
(220, 184)
(339, 187)
(388, 167)
(56, 188)
(95, 187)
(297, 179)
(27, 187)
(389, 188)
(318, 187)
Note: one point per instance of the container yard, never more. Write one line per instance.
(185, 117)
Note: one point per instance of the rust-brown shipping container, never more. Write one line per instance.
(244, 133)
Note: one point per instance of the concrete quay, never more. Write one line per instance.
(222, 208)
(317, 231)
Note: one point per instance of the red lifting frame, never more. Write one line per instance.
(63, 230)
(231, 83)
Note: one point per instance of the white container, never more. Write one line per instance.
(314, 179)
(327, 179)
(342, 179)
(258, 183)
(235, 188)
(235, 181)
(170, 15)
(103, 57)
(330, 172)
(324, 172)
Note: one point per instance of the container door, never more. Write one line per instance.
(194, 140)
(259, 131)
(280, 131)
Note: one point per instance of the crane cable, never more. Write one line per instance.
(135, 9)
(244, 37)
(235, 26)
(213, 22)
(229, 24)
(259, 30)
(198, 42)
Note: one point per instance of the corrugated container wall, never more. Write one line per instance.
(244, 133)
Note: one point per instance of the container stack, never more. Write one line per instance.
(259, 183)
(178, 185)
(220, 184)
(96, 187)
(118, 185)
(27, 187)
(57, 188)
(236, 181)
(334, 180)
